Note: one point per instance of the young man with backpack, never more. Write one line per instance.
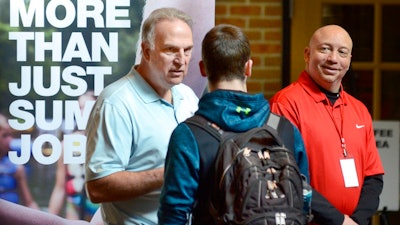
(188, 194)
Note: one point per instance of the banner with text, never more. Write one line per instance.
(55, 51)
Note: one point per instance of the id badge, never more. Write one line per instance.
(349, 172)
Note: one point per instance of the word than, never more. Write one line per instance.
(76, 47)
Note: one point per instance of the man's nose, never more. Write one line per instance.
(333, 56)
(180, 57)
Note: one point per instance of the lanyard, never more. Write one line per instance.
(339, 131)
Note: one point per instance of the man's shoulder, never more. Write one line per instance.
(356, 105)
(183, 88)
(185, 92)
(292, 89)
(115, 87)
(286, 95)
(182, 137)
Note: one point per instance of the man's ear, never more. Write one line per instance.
(307, 54)
(145, 50)
(248, 67)
(202, 69)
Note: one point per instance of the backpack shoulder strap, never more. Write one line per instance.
(273, 120)
(283, 127)
(280, 124)
(203, 123)
(208, 139)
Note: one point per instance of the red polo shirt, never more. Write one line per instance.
(322, 127)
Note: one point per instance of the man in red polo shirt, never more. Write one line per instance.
(345, 167)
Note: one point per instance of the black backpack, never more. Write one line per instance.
(256, 179)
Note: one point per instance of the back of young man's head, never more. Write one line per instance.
(225, 51)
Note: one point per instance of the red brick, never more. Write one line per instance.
(221, 9)
(245, 10)
(262, 22)
(254, 34)
(273, 35)
(273, 10)
(240, 22)
(265, 23)
(254, 86)
(266, 48)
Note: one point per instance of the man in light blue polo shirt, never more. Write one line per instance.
(131, 123)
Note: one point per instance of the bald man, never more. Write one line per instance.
(345, 168)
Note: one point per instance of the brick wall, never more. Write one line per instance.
(261, 20)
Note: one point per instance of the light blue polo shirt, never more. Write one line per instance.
(129, 129)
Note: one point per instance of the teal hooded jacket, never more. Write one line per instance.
(231, 111)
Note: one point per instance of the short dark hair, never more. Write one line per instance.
(225, 51)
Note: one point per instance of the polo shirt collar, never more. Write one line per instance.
(314, 91)
(147, 93)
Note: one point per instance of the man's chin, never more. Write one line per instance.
(175, 81)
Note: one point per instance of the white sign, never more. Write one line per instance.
(57, 58)
(387, 134)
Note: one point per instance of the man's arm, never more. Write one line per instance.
(124, 185)
(369, 199)
(181, 178)
(23, 188)
(57, 198)
(109, 146)
(323, 211)
(12, 213)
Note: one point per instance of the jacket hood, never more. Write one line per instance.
(234, 110)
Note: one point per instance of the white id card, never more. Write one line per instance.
(349, 172)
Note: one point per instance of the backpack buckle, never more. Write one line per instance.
(280, 218)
